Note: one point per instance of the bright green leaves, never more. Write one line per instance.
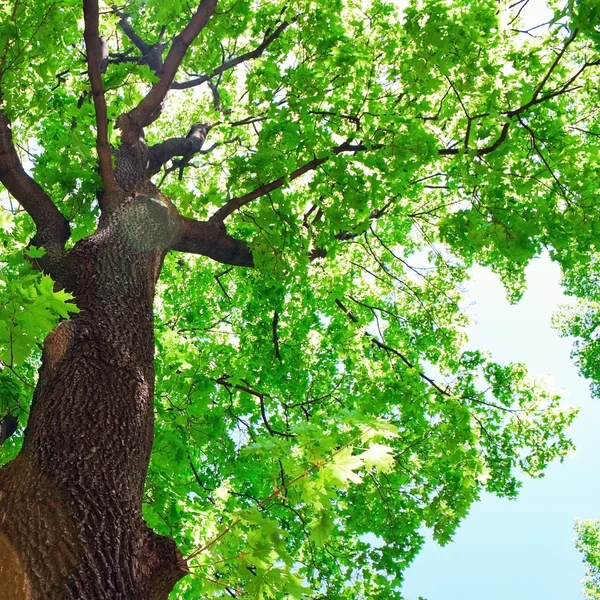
(520, 423)
(448, 36)
(35, 46)
(316, 412)
(342, 468)
(579, 319)
(380, 457)
(29, 309)
(588, 543)
(321, 529)
(583, 15)
(258, 401)
(315, 418)
(248, 548)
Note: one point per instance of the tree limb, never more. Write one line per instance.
(212, 240)
(390, 350)
(553, 66)
(131, 34)
(480, 151)
(276, 336)
(94, 51)
(52, 227)
(148, 109)
(261, 398)
(235, 203)
(151, 55)
(186, 147)
(233, 62)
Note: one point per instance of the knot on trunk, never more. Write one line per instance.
(160, 564)
(149, 224)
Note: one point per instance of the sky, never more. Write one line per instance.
(522, 549)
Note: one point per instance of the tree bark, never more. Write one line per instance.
(70, 503)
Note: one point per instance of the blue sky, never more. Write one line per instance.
(523, 549)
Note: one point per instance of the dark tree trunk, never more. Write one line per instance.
(70, 503)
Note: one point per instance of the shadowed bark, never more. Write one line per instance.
(76, 487)
(71, 525)
(212, 240)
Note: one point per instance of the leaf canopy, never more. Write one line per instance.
(315, 413)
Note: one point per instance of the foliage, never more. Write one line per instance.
(315, 413)
(579, 319)
(588, 543)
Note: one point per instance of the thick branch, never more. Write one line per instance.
(233, 62)
(151, 55)
(161, 153)
(93, 47)
(235, 203)
(212, 240)
(52, 227)
(148, 109)
(132, 35)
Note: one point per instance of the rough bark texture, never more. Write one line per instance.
(70, 504)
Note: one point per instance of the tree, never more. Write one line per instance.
(345, 163)
(588, 543)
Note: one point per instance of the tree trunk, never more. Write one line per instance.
(70, 503)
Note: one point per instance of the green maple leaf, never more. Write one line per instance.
(380, 457)
(342, 467)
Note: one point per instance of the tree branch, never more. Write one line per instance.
(261, 398)
(212, 240)
(191, 144)
(564, 190)
(149, 108)
(151, 55)
(52, 227)
(131, 34)
(235, 203)
(94, 51)
(390, 350)
(276, 336)
(480, 151)
(553, 66)
(536, 98)
(233, 62)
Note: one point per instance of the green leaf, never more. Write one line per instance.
(380, 457)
